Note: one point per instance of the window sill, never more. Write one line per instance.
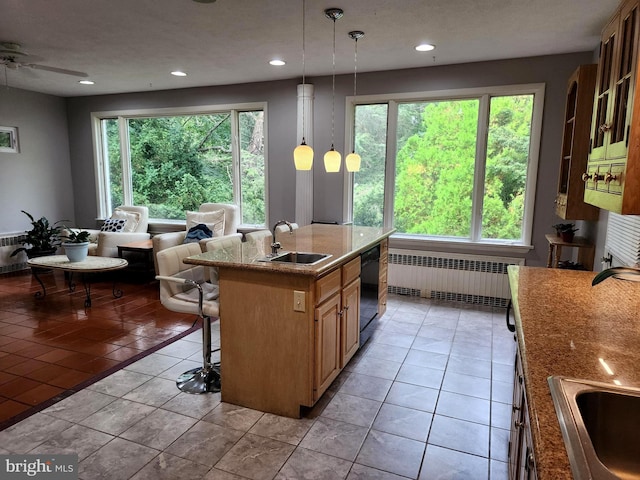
(410, 242)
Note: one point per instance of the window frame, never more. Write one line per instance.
(102, 175)
(484, 95)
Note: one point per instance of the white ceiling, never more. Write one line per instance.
(132, 45)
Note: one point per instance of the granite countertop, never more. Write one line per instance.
(564, 327)
(341, 242)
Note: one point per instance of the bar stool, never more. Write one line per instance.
(185, 289)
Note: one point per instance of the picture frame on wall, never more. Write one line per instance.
(9, 140)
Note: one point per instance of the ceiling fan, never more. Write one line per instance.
(11, 56)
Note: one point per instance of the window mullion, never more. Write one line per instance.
(125, 155)
(102, 169)
(390, 163)
(235, 155)
(480, 169)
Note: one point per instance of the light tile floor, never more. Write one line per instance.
(428, 397)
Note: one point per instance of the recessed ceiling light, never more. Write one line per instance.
(425, 47)
(277, 63)
(178, 73)
(86, 82)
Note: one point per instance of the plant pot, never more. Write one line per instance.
(76, 252)
(33, 253)
(567, 236)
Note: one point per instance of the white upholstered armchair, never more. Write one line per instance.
(222, 218)
(127, 224)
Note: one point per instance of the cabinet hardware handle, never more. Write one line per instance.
(586, 176)
(518, 424)
(515, 409)
(605, 127)
(340, 313)
(608, 177)
(596, 177)
(530, 461)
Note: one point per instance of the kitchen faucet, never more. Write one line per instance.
(276, 245)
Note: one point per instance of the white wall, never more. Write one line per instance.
(38, 179)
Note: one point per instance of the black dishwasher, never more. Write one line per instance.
(369, 279)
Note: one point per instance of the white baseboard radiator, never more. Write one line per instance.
(8, 243)
(454, 277)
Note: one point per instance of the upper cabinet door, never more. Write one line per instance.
(604, 93)
(622, 82)
(612, 177)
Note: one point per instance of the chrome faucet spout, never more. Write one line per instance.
(276, 245)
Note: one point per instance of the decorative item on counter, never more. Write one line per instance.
(631, 274)
(565, 231)
(76, 244)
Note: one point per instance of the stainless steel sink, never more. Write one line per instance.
(600, 425)
(302, 258)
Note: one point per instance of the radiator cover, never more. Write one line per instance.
(8, 243)
(476, 279)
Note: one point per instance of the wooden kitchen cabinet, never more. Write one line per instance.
(521, 458)
(570, 203)
(337, 321)
(350, 318)
(612, 177)
(327, 344)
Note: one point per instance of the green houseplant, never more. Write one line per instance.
(43, 238)
(75, 244)
(566, 231)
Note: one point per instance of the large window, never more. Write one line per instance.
(174, 161)
(453, 166)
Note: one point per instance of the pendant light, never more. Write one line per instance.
(303, 153)
(333, 158)
(353, 160)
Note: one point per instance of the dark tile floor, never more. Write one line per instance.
(428, 397)
(51, 344)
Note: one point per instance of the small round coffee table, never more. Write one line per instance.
(86, 267)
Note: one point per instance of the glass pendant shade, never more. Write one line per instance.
(352, 162)
(303, 157)
(332, 161)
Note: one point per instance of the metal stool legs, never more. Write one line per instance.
(206, 378)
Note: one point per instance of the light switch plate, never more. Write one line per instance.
(298, 301)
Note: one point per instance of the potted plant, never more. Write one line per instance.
(565, 231)
(76, 244)
(43, 238)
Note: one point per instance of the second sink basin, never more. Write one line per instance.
(298, 257)
(600, 425)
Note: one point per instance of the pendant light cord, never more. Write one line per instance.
(304, 94)
(355, 74)
(333, 86)
(355, 67)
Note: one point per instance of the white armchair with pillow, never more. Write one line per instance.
(222, 219)
(127, 224)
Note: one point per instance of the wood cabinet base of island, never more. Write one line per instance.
(285, 338)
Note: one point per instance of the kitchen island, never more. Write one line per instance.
(287, 329)
(566, 327)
